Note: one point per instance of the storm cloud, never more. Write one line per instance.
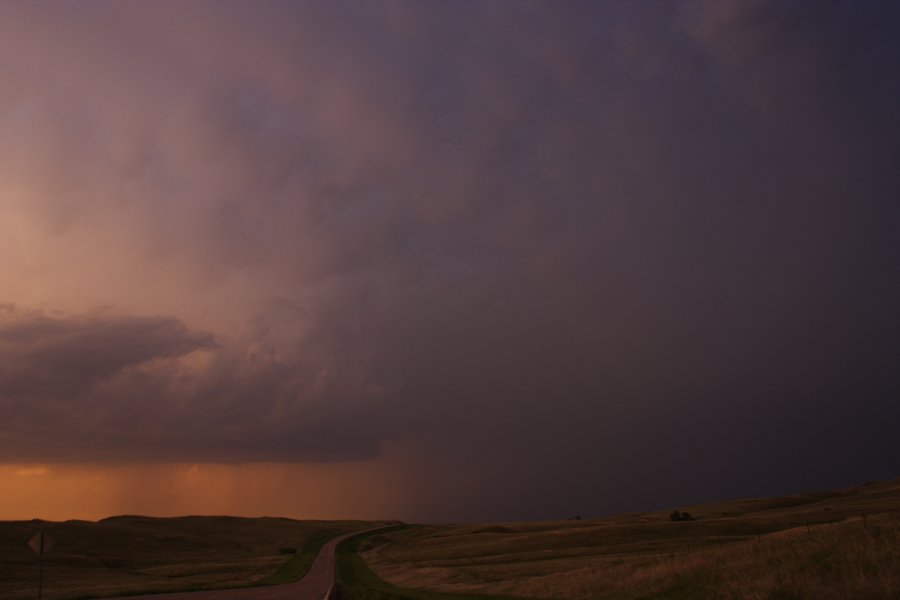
(107, 386)
(571, 256)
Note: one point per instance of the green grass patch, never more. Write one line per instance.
(297, 566)
(356, 581)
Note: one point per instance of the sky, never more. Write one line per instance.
(445, 261)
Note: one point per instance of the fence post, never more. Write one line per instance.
(41, 567)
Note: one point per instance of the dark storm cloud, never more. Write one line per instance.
(560, 248)
(46, 356)
(107, 386)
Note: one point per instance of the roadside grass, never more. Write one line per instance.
(356, 581)
(842, 545)
(299, 564)
(132, 555)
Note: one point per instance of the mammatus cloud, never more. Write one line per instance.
(547, 248)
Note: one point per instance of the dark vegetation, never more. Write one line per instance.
(130, 554)
(680, 516)
(494, 529)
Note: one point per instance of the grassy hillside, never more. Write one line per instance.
(830, 545)
(357, 582)
(140, 554)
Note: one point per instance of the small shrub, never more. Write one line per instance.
(680, 516)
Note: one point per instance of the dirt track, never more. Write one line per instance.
(312, 587)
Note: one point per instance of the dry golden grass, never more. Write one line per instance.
(808, 546)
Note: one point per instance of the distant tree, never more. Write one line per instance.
(577, 517)
(681, 516)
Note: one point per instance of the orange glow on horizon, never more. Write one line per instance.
(58, 492)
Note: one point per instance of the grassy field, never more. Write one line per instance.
(357, 582)
(124, 555)
(827, 546)
(824, 546)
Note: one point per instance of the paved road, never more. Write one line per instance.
(312, 587)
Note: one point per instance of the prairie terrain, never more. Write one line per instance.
(128, 554)
(828, 545)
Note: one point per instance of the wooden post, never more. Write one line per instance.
(865, 522)
(41, 567)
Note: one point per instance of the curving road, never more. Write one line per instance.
(313, 586)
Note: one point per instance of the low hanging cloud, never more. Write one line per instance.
(574, 237)
(68, 356)
(110, 386)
